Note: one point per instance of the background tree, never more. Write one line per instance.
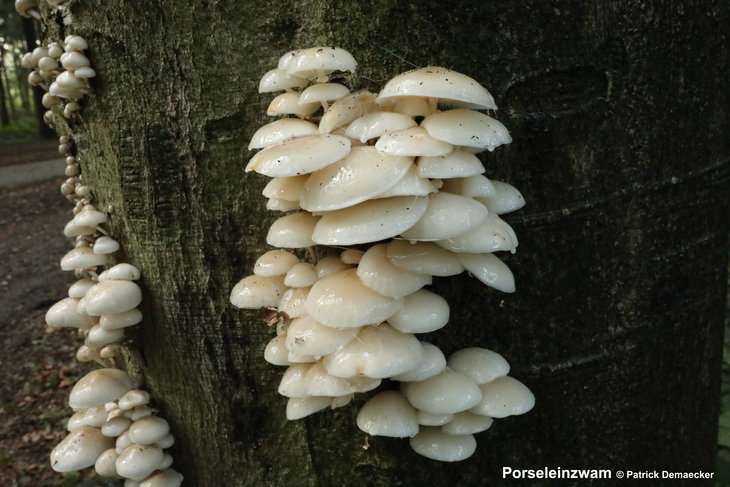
(619, 117)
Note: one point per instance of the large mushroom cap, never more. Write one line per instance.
(445, 393)
(281, 130)
(294, 231)
(490, 270)
(479, 364)
(112, 296)
(307, 63)
(441, 83)
(467, 128)
(447, 215)
(433, 443)
(343, 301)
(99, 387)
(64, 314)
(377, 352)
(369, 221)
(362, 174)
(79, 449)
(504, 396)
(388, 414)
(299, 156)
(82, 258)
(422, 312)
(423, 257)
(254, 291)
(379, 274)
(492, 235)
(307, 336)
(278, 79)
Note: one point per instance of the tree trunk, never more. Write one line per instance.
(619, 117)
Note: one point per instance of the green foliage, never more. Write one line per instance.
(22, 130)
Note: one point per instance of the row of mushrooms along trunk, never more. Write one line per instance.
(358, 168)
(113, 428)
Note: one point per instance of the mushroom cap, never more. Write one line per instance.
(430, 419)
(323, 92)
(447, 215)
(422, 312)
(292, 383)
(253, 292)
(292, 302)
(413, 141)
(345, 110)
(78, 289)
(79, 449)
(105, 464)
(97, 336)
(433, 362)
(506, 198)
(300, 407)
(73, 230)
(121, 320)
(85, 72)
(330, 265)
(164, 478)
(133, 398)
(89, 216)
(278, 79)
(299, 156)
(307, 62)
(105, 245)
(410, 185)
(307, 336)
(322, 383)
(82, 258)
(491, 235)
(288, 104)
(377, 352)
(112, 296)
(376, 124)
(114, 427)
(467, 128)
(65, 314)
(362, 174)
(369, 221)
(388, 414)
(99, 387)
(287, 188)
(445, 393)
(423, 257)
(411, 106)
(378, 273)
(95, 417)
(73, 60)
(479, 364)
(441, 83)
(504, 396)
(275, 263)
(138, 461)
(455, 164)
(343, 301)
(275, 352)
(294, 231)
(433, 443)
(466, 423)
(281, 130)
(122, 272)
(148, 430)
(490, 270)
(472, 186)
(302, 274)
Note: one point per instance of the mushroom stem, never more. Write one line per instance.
(34, 13)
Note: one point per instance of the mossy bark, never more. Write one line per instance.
(619, 114)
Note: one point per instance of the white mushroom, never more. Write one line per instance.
(388, 414)
(254, 291)
(79, 449)
(138, 461)
(467, 128)
(433, 443)
(299, 156)
(293, 231)
(281, 130)
(504, 396)
(378, 273)
(98, 387)
(445, 393)
(274, 263)
(112, 296)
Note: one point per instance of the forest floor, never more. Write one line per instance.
(37, 364)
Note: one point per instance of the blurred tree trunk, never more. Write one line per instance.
(619, 114)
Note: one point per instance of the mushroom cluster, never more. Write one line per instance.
(113, 427)
(395, 171)
(63, 71)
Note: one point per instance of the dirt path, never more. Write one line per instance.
(37, 364)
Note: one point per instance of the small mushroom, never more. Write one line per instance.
(254, 291)
(388, 414)
(433, 443)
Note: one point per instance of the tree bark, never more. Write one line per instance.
(618, 111)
